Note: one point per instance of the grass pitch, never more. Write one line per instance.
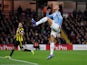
(40, 58)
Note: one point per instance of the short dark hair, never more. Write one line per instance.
(48, 7)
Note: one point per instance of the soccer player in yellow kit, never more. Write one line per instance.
(19, 38)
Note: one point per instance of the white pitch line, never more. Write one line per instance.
(21, 61)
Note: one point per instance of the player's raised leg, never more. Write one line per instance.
(39, 22)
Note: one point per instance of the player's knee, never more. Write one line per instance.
(49, 21)
(59, 35)
(52, 38)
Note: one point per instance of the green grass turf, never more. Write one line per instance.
(60, 58)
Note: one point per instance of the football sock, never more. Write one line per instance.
(51, 48)
(11, 52)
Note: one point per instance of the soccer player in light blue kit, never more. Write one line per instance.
(55, 21)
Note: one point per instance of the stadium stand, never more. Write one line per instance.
(8, 27)
(75, 26)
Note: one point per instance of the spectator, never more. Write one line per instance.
(19, 10)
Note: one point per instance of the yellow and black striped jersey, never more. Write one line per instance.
(19, 37)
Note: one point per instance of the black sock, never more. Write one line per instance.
(11, 52)
(27, 50)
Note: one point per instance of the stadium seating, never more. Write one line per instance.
(76, 28)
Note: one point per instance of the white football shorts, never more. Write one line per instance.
(55, 29)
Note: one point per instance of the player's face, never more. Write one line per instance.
(20, 25)
(55, 8)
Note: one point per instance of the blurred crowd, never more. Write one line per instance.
(9, 25)
(75, 27)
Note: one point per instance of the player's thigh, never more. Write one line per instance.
(52, 39)
(49, 21)
(59, 35)
(16, 43)
(53, 33)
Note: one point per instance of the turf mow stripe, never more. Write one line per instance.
(19, 61)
